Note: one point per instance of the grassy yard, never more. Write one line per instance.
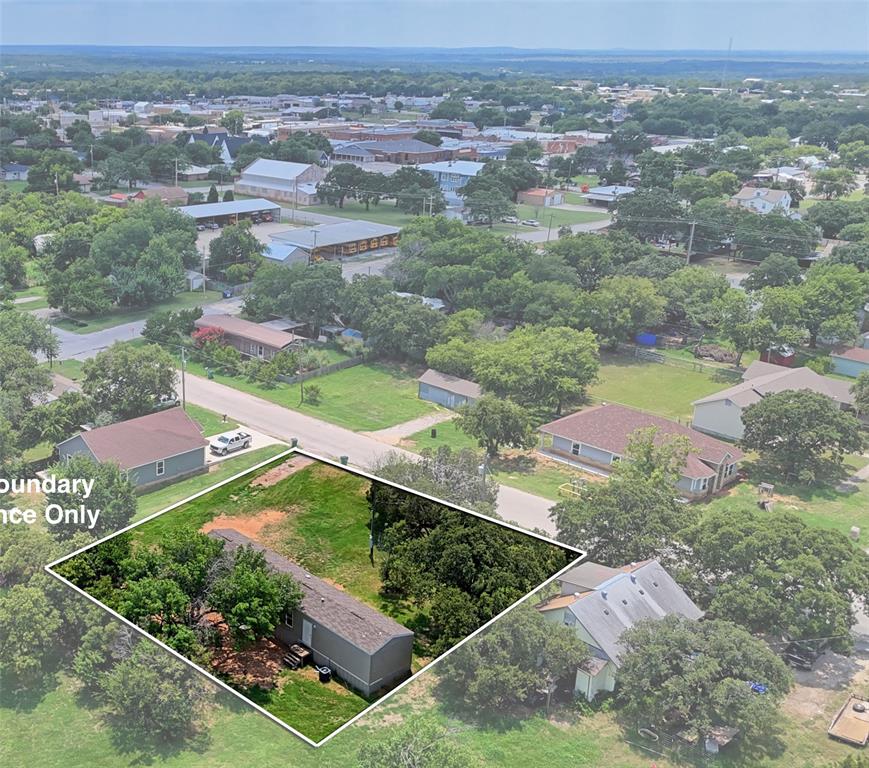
(152, 502)
(857, 194)
(71, 369)
(526, 471)
(821, 506)
(13, 186)
(309, 706)
(559, 217)
(385, 213)
(363, 398)
(121, 315)
(36, 298)
(667, 390)
(212, 423)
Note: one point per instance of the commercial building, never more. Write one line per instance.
(279, 180)
(335, 241)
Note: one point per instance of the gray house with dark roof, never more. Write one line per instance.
(153, 450)
(364, 648)
(601, 603)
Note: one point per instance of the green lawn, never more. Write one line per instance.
(857, 194)
(152, 502)
(121, 315)
(559, 217)
(667, 390)
(363, 398)
(821, 506)
(309, 706)
(13, 186)
(36, 293)
(71, 369)
(212, 423)
(385, 213)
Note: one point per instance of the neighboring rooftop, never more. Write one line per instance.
(641, 591)
(460, 167)
(324, 604)
(334, 234)
(451, 383)
(858, 354)
(229, 208)
(146, 439)
(610, 427)
(761, 379)
(276, 169)
(255, 332)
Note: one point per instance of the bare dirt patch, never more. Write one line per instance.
(260, 664)
(251, 526)
(816, 691)
(282, 471)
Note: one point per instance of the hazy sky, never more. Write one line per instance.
(786, 25)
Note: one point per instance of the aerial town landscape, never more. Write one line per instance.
(445, 402)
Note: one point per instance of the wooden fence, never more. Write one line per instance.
(331, 368)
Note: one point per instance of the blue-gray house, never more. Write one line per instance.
(449, 391)
(850, 362)
(154, 449)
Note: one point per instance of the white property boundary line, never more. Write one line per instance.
(297, 451)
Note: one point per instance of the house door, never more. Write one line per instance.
(306, 632)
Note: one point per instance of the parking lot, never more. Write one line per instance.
(262, 232)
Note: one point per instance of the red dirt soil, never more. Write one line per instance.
(260, 664)
(278, 473)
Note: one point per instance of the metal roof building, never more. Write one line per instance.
(346, 238)
(231, 208)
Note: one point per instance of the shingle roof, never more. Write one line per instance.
(760, 193)
(460, 167)
(610, 427)
(646, 591)
(858, 354)
(140, 441)
(759, 383)
(451, 383)
(324, 604)
(246, 329)
(588, 575)
(234, 143)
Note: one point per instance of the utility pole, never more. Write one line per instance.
(690, 243)
(204, 278)
(56, 184)
(176, 171)
(295, 195)
(549, 230)
(183, 378)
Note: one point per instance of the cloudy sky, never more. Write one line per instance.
(783, 25)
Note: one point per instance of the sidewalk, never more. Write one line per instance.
(394, 435)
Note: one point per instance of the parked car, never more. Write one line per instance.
(509, 219)
(229, 442)
(200, 227)
(213, 225)
(267, 217)
(530, 223)
(167, 401)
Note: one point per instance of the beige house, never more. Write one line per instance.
(600, 603)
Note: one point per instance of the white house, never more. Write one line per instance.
(280, 180)
(763, 200)
(601, 603)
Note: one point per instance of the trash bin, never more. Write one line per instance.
(325, 674)
(434, 432)
(294, 441)
(344, 460)
(209, 373)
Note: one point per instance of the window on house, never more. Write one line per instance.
(575, 448)
(161, 467)
(704, 483)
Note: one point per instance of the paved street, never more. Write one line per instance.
(325, 439)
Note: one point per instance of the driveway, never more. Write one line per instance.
(258, 440)
(542, 235)
(519, 507)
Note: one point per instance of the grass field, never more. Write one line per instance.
(666, 390)
(163, 497)
(857, 194)
(309, 706)
(558, 216)
(821, 506)
(37, 296)
(363, 398)
(121, 315)
(13, 186)
(71, 369)
(385, 213)
(526, 471)
(212, 423)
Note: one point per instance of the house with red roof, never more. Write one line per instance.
(596, 438)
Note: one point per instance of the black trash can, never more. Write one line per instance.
(325, 674)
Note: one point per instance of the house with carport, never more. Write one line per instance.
(600, 604)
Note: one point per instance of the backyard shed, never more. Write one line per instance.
(446, 390)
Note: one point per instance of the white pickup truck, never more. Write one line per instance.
(229, 442)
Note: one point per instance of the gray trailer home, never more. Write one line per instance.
(364, 648)
(153, 450)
